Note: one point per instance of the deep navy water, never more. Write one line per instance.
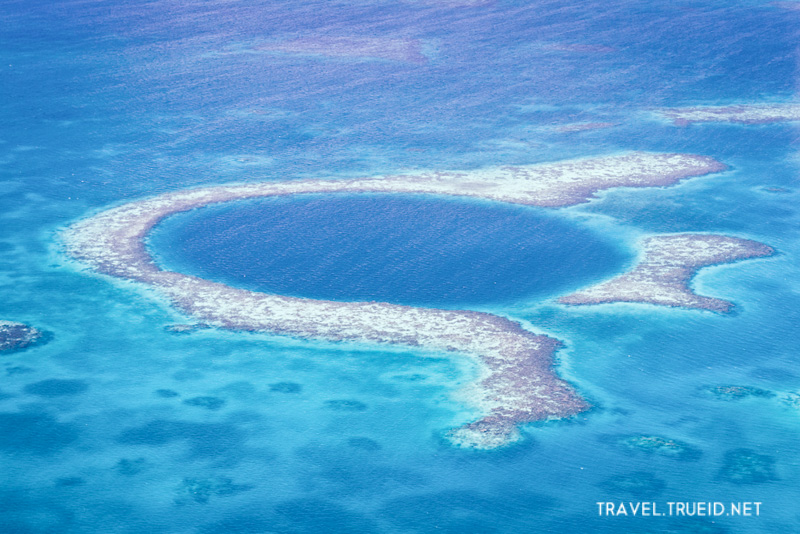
(414, 250)
(119, 425)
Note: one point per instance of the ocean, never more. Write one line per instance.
(119, 424)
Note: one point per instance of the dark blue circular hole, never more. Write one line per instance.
(416, 250)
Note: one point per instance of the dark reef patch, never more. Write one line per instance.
(350, 471)
(286, 387)
(745, 466)
(641, 484)
(69, 482)
(56, 387)
(19, 336)
(345, 405)
(209, 403)
(414, 377)
(22, 513)
(204, 439)
(311, 516)
(167, 393)
(18, 370)
(457, 512)
(128, 468)
(732, 393)
(364, 444)
(791, 400)
(666, 447)
(34, 433)
(775, 189)
(242, 524)
(200, 490)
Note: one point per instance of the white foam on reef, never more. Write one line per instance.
(667, 265)
(517, 384)
(744, 114)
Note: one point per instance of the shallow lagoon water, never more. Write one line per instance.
(108, 102)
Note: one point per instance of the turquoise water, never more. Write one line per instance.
(118, 425)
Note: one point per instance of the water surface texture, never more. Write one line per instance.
(121, 424)
(413, 250)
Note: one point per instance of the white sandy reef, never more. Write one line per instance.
(743, 114)
(668, 264)
(518, 383)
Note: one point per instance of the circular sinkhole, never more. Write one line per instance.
(404, 249)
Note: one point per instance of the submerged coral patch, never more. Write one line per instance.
(791, 400)
(364, 444)
(204, 439)
(69, 482)
(745, 466)
(640, 485)
(732, 392)
(456, 511)
(127, 467)
(345, 405)
(18, 370)
(18, 336)
(285, 387)
(34, 433)
(319, 515)
(209, 403)
(662, 446)
(200, 490)
(56, 387)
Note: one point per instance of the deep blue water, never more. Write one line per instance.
(412, 250)
(117, 425)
